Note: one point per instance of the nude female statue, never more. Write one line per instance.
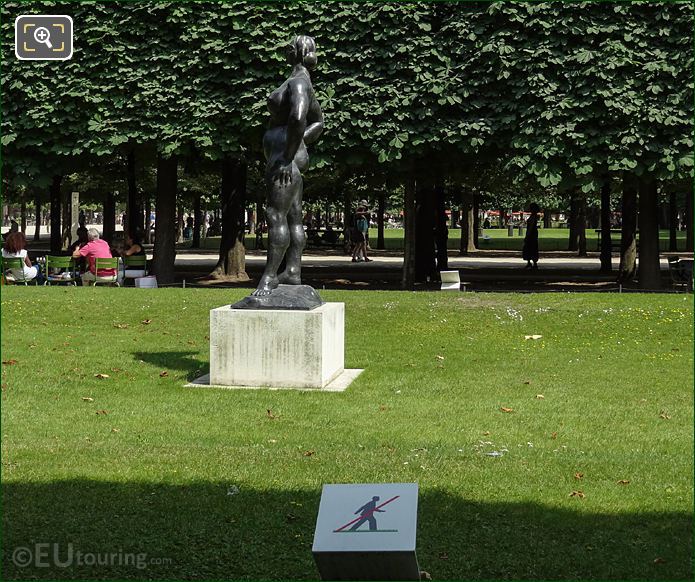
(295, 120)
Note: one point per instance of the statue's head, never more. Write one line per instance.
(302, 50)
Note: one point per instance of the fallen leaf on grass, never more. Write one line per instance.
(579, 494)
(505, 409)
(623, 482)
(383, 408)
(540, 397)
(163, 374)
(88, 399)
(101, 376)
(532, 337)
(290, 517)
(425, 575)
(443, 556)
(116, 370)
(553, 435)
(120, 325)
(579, 475)
(486, 433)
(439, 357)
(659, 561)
(665, 415)
(115, 430)
(269, 414)
(11, 362)
(146, 321)
(527, 382)
(308, 453)
(102, 412)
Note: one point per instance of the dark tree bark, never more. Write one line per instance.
(165, 225)
(231, 264)
(672, 222)
(133, 206)
(409, 206)
(476, 220)
(425, 266)
(347, 213)
(56, 213)
(197, 219)
(581, 226)
(467, 224)
(37, 206)
(380, 244)
(503, 222)
(628, 241)
(573, 243)
(606, 243)
(689, 220)
(547, 218)
(23, 215)
(649, 268)
(109, 227)
(441, 232)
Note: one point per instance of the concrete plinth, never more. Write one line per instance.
(277, 348)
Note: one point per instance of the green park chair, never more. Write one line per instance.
(134, 263)
(60, 270)
(100, 264)
(15, 264)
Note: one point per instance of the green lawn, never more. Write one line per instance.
(595, 481)
(549, 239)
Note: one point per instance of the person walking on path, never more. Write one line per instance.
(367, 512)
(530, 251)
(359, 232)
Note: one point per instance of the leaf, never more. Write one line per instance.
(578, 476)
(11, 362)
(439, 357)
(309, 453)
(659, 561)
(8, 139)
(163, 374)
(146, 321)
(527, 382)
(114, 429)
(120, 325)
(101, 376)
(553, 435)
(532, 337)
(102, 412)
(269, 414)
(443, 556)
(540, 397)
(88, 399)
(579, 494)
(665, 415)
(623, 482)
(505, 409)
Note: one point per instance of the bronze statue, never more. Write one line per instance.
(296, 119)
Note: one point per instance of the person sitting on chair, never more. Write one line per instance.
(16, 248)
(133, 248)
(96, 248)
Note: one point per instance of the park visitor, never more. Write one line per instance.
(358, 232)
(96, 248)
(530, 251)
(133, 248)
(16, 248)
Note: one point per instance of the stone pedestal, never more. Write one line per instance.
(277, 348)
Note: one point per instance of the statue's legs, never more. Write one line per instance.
(279, 201)
(292, 275)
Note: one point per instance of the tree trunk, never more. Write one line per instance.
(133, 206)
(231, 264)
(197, 219)
(408, 278)
(467, 224)
(502, 222)
(689, 220)
(109, 226)
(380, 244)
(606, 243)
(165, 225)
(56, 233)
(476, 220)
(23, 215)
(441, 232)
(581, 226)
(547, 216)
(37, 206)
(179, 223)
(425, 266)
(649, 267)
(628, 242)
(573, 243)
(672, 222)
(65, 237)
(347, 214)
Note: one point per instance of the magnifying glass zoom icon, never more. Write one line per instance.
(42, 36)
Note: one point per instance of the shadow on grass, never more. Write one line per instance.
(184, 361)
(201, 531)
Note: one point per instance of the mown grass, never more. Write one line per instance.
(549, 239)
(601, 406)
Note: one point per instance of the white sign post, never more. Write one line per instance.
(367, 532)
